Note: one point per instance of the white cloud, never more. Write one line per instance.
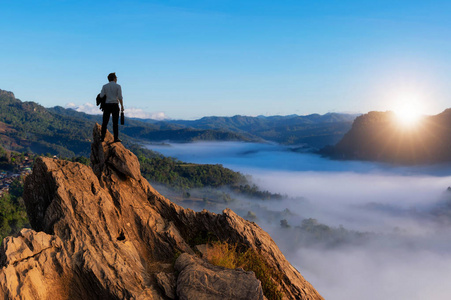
(132, 112)
(88, 108)
(141, 114)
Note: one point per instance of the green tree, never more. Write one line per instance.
(16, 190)
(13, 216)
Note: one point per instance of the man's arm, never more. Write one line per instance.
(122, 105)
(119, 96)
(102, 92)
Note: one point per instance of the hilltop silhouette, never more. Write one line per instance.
(378, 136)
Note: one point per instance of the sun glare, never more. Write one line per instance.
(408, 116)
(409, 112)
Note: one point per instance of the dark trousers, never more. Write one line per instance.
(113, 109)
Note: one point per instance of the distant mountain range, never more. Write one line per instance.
(378, 136)
(314, 130)
(28, 126)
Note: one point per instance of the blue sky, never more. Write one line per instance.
(188, 59)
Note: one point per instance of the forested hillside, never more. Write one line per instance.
(29, 127)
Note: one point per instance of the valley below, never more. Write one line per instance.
(358, 230)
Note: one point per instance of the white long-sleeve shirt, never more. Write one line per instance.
(113, 92)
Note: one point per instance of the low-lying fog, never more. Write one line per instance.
(380, 232)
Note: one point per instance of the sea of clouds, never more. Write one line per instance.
(386, 228)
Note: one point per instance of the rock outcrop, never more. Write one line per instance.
(103, 232)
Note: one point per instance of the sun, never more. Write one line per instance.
(409, 112)
(408, 116)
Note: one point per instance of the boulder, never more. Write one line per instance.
(203, 281)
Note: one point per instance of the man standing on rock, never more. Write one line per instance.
(113, 93)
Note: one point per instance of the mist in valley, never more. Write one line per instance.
(355, 230)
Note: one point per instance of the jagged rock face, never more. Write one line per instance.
(105, 233)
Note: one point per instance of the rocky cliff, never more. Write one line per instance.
(105, 233)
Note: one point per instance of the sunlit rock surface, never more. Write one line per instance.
(105, 233)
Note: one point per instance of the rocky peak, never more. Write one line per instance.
(105, 233)
(7, 94)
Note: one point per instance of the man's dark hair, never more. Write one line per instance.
(111, 76)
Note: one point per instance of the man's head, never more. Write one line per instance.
(112, 77)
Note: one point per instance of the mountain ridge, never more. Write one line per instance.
(315, 130)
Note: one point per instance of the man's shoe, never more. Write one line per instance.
(117, 141)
